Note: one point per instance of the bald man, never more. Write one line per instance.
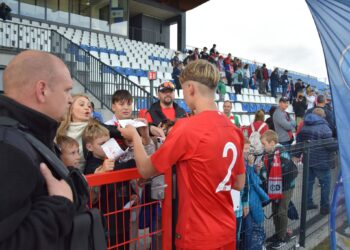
(36, 210)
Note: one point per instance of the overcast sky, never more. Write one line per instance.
(276, 32)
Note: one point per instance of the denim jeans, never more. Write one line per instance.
(273, 90)
(284, 90)
(238, 231)
(253, 234)
(324, 177)
(245, 82)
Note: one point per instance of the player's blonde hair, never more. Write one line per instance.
(201, 71)
(269, 136)
(93, 131)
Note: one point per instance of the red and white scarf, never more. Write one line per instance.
(275, 176)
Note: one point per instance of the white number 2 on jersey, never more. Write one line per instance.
(222, 185)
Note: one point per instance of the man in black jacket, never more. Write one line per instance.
(299, 106)
(36, 211)
(165, 109)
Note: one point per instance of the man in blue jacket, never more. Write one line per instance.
(321, 103)
(316, 128)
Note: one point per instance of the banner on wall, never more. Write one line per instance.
(332, 19)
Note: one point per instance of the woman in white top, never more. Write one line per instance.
(75, 122)
(310, 98)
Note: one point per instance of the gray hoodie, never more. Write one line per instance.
(282, 125)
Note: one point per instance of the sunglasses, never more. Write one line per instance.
(168, 85)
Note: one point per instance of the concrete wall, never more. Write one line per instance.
(153, 30)
(5, 58)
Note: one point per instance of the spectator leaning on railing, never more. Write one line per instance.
(281, 183)
(316, 128)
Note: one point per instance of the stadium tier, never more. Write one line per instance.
(130, 58)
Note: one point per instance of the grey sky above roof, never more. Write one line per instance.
(280, 33)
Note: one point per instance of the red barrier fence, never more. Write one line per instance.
(135, 215)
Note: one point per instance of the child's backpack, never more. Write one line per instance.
(254, 139)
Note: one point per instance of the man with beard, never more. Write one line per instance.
(165, 109)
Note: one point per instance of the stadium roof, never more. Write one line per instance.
(162, 9)
(183, 5)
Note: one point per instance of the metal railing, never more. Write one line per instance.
(309, 220)
(97, 77)
(122, 221)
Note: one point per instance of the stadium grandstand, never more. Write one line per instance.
(123, 41)
(110, 45)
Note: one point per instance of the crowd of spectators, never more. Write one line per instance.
(271, 171)
(234, 72)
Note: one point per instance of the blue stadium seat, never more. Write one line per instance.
(267, 107)
(259, 106)
(112, 51)
(183, 105)
(140, 73)
(245, 107)
(103, 50)
(121, 53)
(251, 107)
(129, 72)
(94, 48)
(120, 70)
(142, 103)
(233, 97)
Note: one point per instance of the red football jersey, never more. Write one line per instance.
(207, 150)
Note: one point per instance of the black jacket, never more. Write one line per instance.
(299, 107)
(157, 115)
(30, 218)
(284, 80)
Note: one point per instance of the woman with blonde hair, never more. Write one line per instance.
(79, 116)
(76, 120)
